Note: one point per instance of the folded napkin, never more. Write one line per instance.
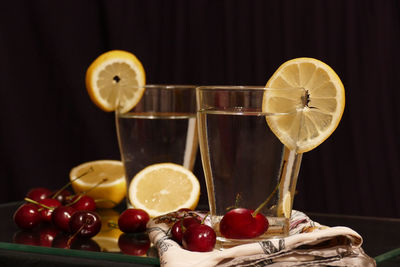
(308, 244)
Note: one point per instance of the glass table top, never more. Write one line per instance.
(381, 236)
(137, 251)
(381, 241)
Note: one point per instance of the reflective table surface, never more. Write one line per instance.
(34, 248)
(381, 236)
(44, 246)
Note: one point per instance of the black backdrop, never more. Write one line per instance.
(48, 123)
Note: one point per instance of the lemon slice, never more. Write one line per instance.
(310, 117)
(107, 194)
(115, 80)
(164, 187)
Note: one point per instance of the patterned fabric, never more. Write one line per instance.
(308, 244)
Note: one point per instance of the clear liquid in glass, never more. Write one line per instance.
(243, 162)
(148, 138)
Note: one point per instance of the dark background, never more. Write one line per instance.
(49, 125)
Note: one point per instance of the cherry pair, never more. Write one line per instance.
(191, 232)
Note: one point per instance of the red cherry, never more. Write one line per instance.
(134, 244)
(83, 202)
(27, 216)
(199, 237)
(85, 223)
(241, 224)
(61, 196)
(45, 213)
(133, 220)
(180, 227)
(38, 193)
(61, 216)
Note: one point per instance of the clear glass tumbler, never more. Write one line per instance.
(160, 128)
(244, 162)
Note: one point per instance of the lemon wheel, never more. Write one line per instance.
(312, 116)
(115, 80)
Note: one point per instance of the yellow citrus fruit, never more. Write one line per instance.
(103, 180)
(285, 207)
(115, 80)
(108, 236)
(164, 187)
(311, 95)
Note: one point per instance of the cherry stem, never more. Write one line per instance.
(270, 195)
(73, 180)
(80, 195)
(205, 217)
(76, 233)
(183, 228)
(238, 199)
(75, 200)
(37, 203)
(96, 185)
(113, 224)
(265, 202)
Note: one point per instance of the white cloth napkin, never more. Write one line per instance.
(308, 244)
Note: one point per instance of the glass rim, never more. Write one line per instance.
(243, 88)
(168, 86)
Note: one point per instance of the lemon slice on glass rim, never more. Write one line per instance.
(305, 105)
(115, 80)
(164, 187)
(310, 117)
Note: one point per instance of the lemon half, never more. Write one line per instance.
(111, 176)
(164, 187)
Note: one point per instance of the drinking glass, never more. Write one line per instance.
(243, 160)
(160, 128)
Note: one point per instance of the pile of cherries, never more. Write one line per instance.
(71, 214)
(66, 212)
(239, 223)
(191, 233)
(63, 220)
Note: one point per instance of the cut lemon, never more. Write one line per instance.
(115, 80)
(164, 187)
(310, 117)
(103, 180)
